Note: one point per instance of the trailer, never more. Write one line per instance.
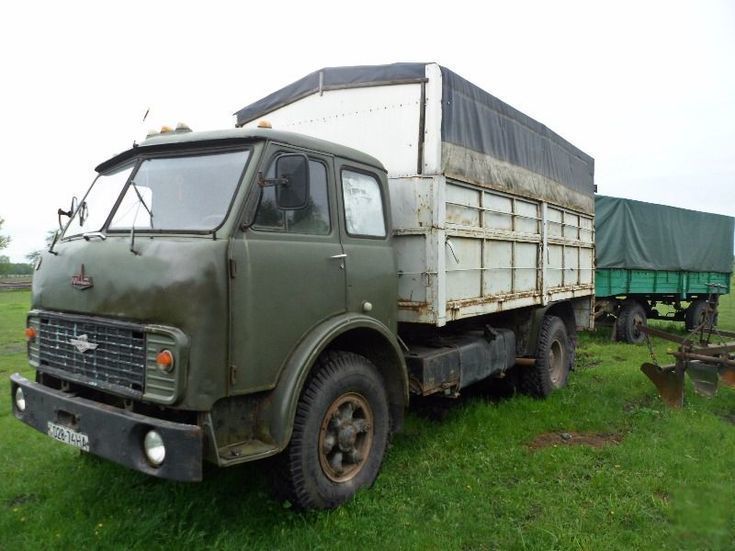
(650, 255)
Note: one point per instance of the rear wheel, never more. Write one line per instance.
(340, 433)
(631, 316)
(696, 314)
(553, 360)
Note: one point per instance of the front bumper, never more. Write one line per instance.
(114, 434)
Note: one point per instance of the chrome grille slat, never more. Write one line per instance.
(119, 359)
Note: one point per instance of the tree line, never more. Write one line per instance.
(14, 268)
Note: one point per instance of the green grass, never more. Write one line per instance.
(470, 481)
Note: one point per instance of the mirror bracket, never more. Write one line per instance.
(270, 182)
(68, 213)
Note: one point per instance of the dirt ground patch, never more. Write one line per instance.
(553, 439)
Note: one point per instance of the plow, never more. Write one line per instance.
(706, 355)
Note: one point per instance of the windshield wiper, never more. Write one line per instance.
(132, 226)
(142, 201)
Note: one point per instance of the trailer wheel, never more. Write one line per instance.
(553, 360)
(696, 314)
(631, 315)
(340, 434)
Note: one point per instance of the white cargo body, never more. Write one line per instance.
(491, 210)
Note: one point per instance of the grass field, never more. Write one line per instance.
(490, 474)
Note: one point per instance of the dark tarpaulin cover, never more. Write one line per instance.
(471, 118)
(645, 236)
(474, 119)
(332, 78)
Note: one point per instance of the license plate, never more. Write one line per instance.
(68, 436)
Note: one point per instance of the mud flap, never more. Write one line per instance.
(669, 381)
(705, 378)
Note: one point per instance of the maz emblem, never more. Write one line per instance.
(81, 280)
(82, 344)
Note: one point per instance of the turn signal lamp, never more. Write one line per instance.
(165, 361)
(264, 124)
(31, 334)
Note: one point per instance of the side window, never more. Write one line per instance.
(363, 204)
(312, 219)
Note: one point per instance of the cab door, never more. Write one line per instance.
(289, 275)
(372, 279)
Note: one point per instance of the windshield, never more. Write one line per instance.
(180, 193)
(189, 193)
(92, 212)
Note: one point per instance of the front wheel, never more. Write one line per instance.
(340, 433)
(553, 360)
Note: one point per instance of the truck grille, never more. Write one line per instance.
(116, 362)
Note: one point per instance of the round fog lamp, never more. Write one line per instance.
(154, 449)
(20, 399)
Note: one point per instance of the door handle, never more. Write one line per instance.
(343, 255)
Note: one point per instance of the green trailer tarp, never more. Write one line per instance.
(634, 235)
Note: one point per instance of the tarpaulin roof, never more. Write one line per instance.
(471, 118)
(646, 236)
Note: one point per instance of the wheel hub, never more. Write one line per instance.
(556, 362)
(637, 322)
(346, 437)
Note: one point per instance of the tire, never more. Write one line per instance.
(340, 434)
(695, 315)
(627, 330)
(553, 360)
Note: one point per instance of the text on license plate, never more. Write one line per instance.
(68, 436)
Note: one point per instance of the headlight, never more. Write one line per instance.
(20, 399)
(154, 449)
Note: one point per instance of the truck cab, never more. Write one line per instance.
(193, 290)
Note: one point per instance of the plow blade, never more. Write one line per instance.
(705, 378)
(669, 382)
(727, 376)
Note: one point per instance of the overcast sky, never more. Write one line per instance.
(646, 88)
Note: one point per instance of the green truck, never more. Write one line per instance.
(227, 296)
(650, 255)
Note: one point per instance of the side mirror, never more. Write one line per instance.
(293, 171)
(67, 213)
